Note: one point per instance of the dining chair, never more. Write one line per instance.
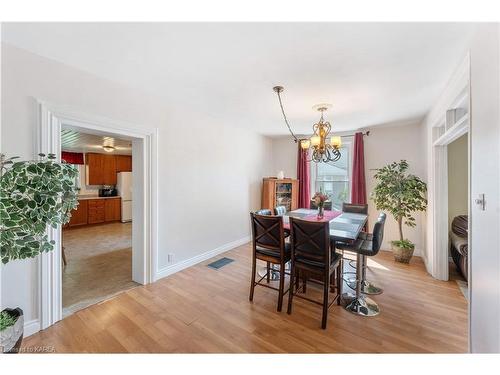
(367, 287)
(355, 208)
(268, 245)
(279, 210)
(327, 205)
(370, 246)
(313, 255)
(264, 211)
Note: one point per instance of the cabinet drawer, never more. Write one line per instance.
(96, 203)
(96, 217)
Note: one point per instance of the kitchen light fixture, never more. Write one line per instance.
(108, 148)
(325, 147)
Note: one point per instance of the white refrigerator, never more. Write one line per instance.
(124, 188)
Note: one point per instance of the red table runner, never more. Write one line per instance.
(328, 216)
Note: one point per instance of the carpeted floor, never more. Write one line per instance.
(99, 264)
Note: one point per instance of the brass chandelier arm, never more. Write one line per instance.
(278, 90)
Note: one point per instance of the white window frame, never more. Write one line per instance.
(346, 143)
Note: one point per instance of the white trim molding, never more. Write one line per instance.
(145, 234)
(169, 270)
(31, 327)
(455, 95)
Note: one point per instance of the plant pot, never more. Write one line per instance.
(402, 254)
(11, 337)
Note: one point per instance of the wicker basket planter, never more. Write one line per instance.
(402, 254)
(11, 337)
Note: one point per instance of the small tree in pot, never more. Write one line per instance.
(33, 195)
(401, 194)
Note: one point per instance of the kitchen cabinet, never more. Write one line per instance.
(79, 215)
(112, 209)
(109, 170)
(96, 212)
(102, 168)
(94, 164)
(123, 163)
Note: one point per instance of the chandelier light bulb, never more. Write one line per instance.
(315, 140)
(336, 141)
(305, 144)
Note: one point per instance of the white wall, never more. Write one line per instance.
(458, 178)
(207, 186)
(485, 177)
(285, 156)
(484, 252)
(384, 145)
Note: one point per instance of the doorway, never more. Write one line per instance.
(458, 212)
(97, 241)
(52, 120)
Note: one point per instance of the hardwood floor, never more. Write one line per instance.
(99, 264)
(200, 310)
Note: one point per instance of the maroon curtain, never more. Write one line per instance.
(358, 190)
(72, 157)
(303, 177)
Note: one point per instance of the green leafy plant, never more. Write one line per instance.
(401, 194)
(6, 320)
(33, 195)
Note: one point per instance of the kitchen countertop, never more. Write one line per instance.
(87, 197)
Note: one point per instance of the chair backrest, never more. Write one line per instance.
(355, 208)
(267, 232)
(378, 233)
(279, 210)
(327, 205)
(310, 240)
(264, 211)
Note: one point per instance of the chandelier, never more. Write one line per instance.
(325, 147)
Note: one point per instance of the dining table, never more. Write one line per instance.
(344, 226)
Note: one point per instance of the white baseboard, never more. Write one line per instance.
(169, 270)
(31, 327)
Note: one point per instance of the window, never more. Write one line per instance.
(334, 178)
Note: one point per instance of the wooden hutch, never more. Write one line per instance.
(277, 192)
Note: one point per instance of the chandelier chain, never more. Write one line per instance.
(284, 116)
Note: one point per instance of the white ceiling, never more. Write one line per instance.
(72, 140)
(372, 73)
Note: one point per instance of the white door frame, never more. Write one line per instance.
(145, 213)
(457, 94)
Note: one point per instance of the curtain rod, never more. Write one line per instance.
(352, 135)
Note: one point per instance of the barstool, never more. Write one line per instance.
(362, 305)
(367, 287)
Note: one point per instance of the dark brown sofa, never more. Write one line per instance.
(459, 248)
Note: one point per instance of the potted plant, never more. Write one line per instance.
(319, 200)
(401, 194)
(33, 195)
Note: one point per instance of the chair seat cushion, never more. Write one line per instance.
(334, 258)
(360, 246)
(274, 253)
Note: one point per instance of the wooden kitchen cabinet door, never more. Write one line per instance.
(96, 211)
(112, 209)
(109, 170)
(95, 168)
(123, 163)
(79, 216)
